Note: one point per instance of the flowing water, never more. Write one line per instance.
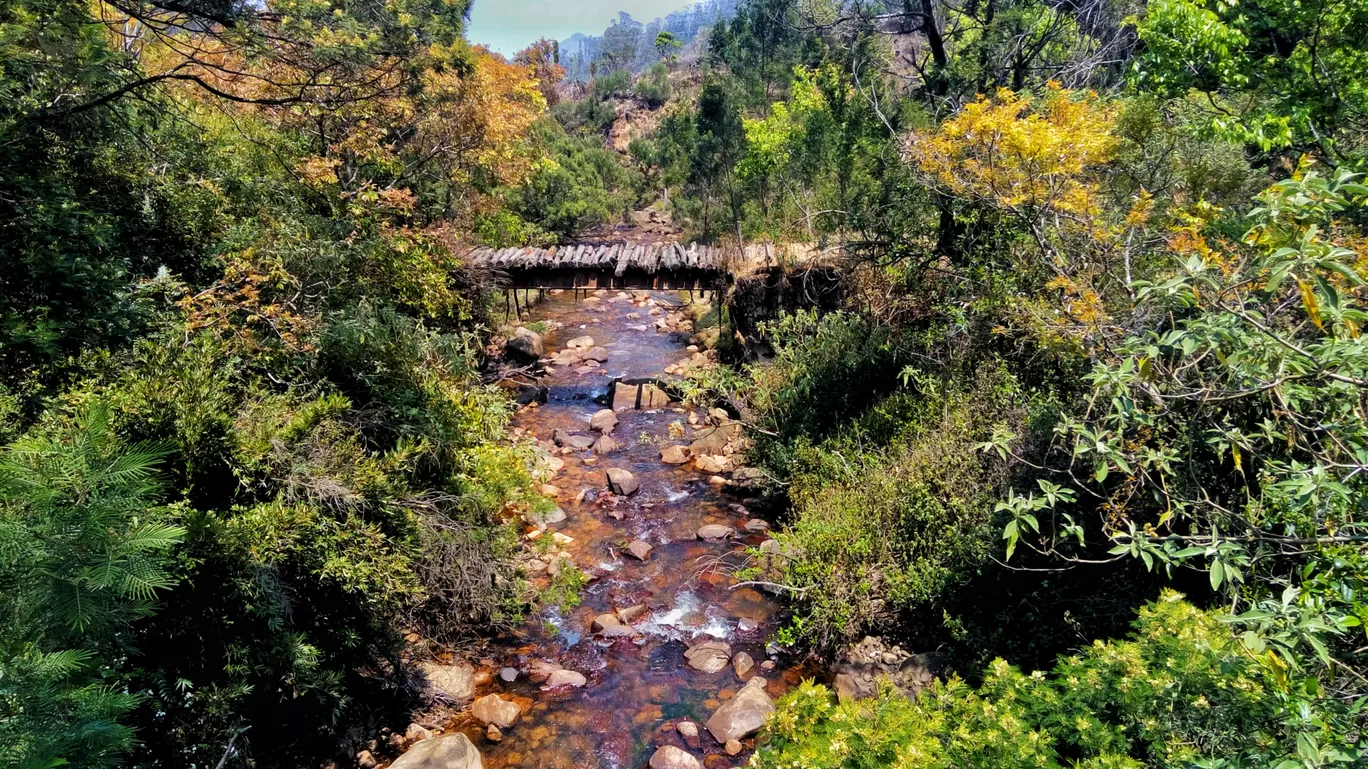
(638, 689)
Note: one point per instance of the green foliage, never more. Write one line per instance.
(1178, 693)
(653, 85)
(582, 185)
(84, 553)
(826, 370)
(892, 515)
(1278, 74)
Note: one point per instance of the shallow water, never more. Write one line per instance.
(638, 690)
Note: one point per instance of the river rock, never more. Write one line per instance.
(493, 709)
(604, 621)
(539, 671)
(687, 729)
(707, 464)
(640, 550)
(743, 665)
(366, 760)
(670, 757)
(715, 440)
(569, 440)
(674, 455)
(861, 667)
(632, 613)
(715, 531)
(508, 675)
(525, 346)
(493, 734)
(453, 751)
(417, 733)
(454, 683)
(622, 483)
(569, 678)
(742, 715)
(709, 656)
(757, 526)
(604, 421)
(597, 354)
(554, 515)
(644, 396)
(733, 747)
(580, 343)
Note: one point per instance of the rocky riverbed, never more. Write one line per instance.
(667, 662)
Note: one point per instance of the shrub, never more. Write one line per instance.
(893, 513)
(1179, 692)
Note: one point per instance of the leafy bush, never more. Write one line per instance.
(891, 515)
(653, 85)
(1180, 692)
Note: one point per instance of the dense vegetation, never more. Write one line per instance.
(1093, 405)
(1102, 339)
(249, 444)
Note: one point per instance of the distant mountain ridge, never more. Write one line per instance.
(628, 43)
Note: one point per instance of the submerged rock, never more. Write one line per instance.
(670, 757)
(569, 678)
(640, 550)
(538, 671)
(743, 665)
(709, 656)
(715, 531)
(453, 751)
(742, 715)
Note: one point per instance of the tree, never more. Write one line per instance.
(1276, 74)
(84, 551)
(666, 43)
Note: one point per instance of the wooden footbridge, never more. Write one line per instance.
(611, 265)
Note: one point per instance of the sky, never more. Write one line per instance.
(508, 26)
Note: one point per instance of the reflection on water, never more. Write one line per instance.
(639, 686)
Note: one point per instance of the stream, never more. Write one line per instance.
(639, 686)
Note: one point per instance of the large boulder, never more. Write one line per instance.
(622, 483)
(454, 683)
(742, 715)
(670, 757)
(525, 346)
(453, 751)
(493, 709)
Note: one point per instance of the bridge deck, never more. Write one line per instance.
(622, 264)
